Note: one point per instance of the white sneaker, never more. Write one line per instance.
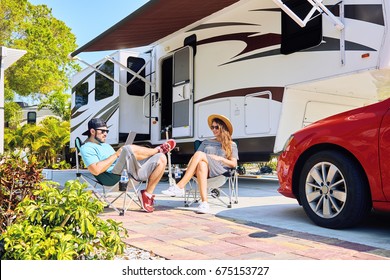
(174, 191)
(203, 208)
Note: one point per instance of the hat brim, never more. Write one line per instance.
(222, 118)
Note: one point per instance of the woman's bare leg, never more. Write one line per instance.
(201, 176)
(191, 168)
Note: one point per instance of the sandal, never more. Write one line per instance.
(167, 146)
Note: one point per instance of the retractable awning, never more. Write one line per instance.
(151, 22)
(7, 58)
(10, 56)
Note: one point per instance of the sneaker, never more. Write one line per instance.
(203, 208)
(146, 202)
(167, 146)
(174, 191)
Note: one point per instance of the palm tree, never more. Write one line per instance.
(52, 139)
(46, 141)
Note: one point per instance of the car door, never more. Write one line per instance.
(384, 154)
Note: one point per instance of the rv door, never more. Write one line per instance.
(182, 91)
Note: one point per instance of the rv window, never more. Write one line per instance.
(181, 66)
(180, 113)
(32, 117)
(296, 38)
(81, 95)
(137, 86)
(104, 86)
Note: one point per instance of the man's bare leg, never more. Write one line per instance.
(156, 175)
(141, 153)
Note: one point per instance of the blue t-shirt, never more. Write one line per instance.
(95, 152)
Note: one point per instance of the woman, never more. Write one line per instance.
(213, 158)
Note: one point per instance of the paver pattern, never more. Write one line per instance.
(178, 234)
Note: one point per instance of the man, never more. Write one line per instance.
(141, 162)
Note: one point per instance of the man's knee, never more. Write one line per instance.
(162, 160)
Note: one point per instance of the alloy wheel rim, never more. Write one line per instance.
(326, 190)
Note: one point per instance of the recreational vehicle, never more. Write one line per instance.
(270, 66)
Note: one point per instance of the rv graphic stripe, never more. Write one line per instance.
(82, 123)
(328, 44)
(271, 39)
(252, 42)
(277, 93)
(106, 112)
(220, 24)
(369, 13)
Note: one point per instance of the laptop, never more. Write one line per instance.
(130, 138)
(121, 162)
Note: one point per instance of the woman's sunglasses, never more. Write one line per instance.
(103, 130)
(212, 127)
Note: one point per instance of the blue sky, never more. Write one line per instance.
(89, 18)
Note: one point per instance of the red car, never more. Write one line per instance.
(339, 168)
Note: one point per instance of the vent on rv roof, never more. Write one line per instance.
(296, 38)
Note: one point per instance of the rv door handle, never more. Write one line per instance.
(154, 98)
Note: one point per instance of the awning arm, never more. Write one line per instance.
(107, 58)
(135, 74)
(96, 69)
(317, 6)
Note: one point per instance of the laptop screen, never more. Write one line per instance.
(130, 138)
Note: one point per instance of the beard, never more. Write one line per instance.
(99, 139)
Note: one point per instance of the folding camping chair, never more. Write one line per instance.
(103, 185)
(214, 186)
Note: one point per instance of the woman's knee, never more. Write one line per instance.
(202, 168)
(199, 155)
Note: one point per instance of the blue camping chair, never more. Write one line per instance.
(105, 186)
(216, 187)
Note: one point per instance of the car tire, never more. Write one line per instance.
(333, 191)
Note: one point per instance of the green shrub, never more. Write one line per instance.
(18, 179)
(62, 225)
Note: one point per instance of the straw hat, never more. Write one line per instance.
(223, 119)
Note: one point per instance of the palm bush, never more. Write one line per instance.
(46, 141)
(62, 225)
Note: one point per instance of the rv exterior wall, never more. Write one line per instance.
(238, 59)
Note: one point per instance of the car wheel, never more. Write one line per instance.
(333, 191)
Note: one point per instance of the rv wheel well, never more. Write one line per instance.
(315, 149)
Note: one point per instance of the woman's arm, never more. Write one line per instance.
(231, 162)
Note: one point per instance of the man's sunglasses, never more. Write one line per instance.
(212, 127)
(103, 130)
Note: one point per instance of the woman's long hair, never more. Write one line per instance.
(226, 138)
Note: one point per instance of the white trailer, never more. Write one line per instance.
(271, 66)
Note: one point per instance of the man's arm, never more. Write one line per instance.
(101, 166)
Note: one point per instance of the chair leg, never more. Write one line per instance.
(191, 194)
(214, 190)
(131, 192)
(133, 196)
